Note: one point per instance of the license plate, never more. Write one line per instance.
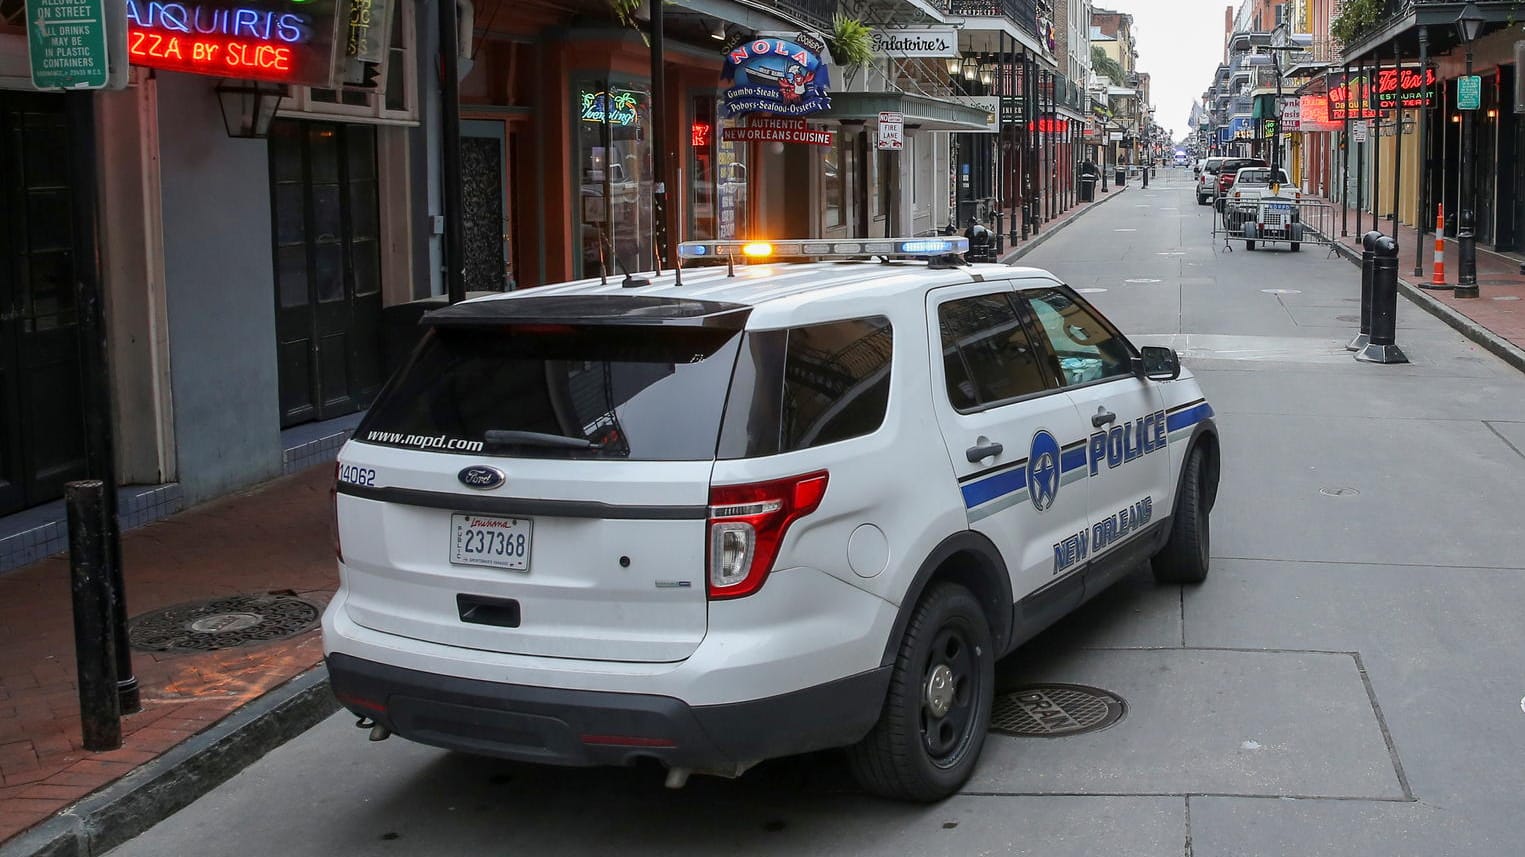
(491, 541)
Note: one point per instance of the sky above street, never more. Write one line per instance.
(1180, 43)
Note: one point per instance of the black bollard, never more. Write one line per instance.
(1368, 257)
(1383, 347)
(100, 706)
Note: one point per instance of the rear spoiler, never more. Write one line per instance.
(595, 309)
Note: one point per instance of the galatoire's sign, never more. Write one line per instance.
(917, 42)
(775, 75)
(289, 41)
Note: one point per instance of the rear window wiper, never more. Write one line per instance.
(501, 437)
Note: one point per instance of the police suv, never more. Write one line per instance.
(740, 511)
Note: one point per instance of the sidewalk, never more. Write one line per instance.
(1500, 308)
(273, 539)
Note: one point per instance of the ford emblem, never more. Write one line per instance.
(481, 477)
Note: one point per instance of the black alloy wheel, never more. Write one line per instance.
(937, 712)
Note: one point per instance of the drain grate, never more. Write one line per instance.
(222, 623)
(1054, 710)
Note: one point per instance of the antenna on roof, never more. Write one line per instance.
(603, 266)
(730, 265)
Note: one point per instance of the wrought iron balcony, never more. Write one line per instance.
(817, 12)
(1022, 12)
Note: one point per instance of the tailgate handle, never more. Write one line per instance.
(481, 610)
(982, 451)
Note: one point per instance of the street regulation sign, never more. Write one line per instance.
(891, 131)
(66, 43)
(1469, 92)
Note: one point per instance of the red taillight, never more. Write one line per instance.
(747, 525)
(333, 512)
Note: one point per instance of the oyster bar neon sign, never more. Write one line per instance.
(289, 41)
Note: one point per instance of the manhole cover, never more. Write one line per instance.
(1282, 291)
(222, 623)
(1338, 492)
(1053, 710)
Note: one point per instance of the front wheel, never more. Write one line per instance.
(937, 711)
(1249, 245)
(1184, 558)
(1296, 246)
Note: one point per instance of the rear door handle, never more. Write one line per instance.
(1102, 417)
(975, 454)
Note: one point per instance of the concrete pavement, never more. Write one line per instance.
(1348, 680)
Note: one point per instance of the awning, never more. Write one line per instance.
(930, 114)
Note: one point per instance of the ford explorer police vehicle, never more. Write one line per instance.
(729, 513)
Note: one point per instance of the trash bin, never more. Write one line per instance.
(1087, 188)
(1121, 177)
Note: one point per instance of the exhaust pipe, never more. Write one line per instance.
(378, 731)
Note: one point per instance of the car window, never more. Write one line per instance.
(987, 355)
(803, 387)
(581, 391)
(1087, 349)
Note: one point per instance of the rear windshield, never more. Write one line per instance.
(557, 391)
(640, 393)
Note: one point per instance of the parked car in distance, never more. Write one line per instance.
(1225, 176)
(1206, 172)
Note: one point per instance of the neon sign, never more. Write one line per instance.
(1403, 87)
(622, 108)
(288, 41)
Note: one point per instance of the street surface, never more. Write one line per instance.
(1348, 681)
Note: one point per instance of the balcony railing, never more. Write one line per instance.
(817, 12)
(1023, 12)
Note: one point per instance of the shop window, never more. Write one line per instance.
(395, 101)
(613, 211)
(834, 168)
(717, 192)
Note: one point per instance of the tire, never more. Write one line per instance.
(1249, 245)
(1184, 558)
(912, 754)
(1296, 246)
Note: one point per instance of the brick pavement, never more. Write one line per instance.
(271, 539)
(1501, 305)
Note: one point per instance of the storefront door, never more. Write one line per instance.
(327, 268)
(41, 418)
(484, 160)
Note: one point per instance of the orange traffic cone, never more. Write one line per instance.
(1438, 280)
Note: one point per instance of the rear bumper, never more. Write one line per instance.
(583, 727)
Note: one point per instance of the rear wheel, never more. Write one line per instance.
(1296, 246)
(1184, 558)
(1249, 245)
(937, 712)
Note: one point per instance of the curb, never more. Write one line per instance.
(1034, 243)
(1487, 339)
(156, 790)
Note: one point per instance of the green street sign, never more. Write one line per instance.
(1469, 93)
(67, 44)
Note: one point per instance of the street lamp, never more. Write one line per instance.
(1468, 25)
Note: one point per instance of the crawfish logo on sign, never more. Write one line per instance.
(775, 75)
(1043, 470)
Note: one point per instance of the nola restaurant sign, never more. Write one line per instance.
(786, 77)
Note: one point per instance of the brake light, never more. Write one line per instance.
(747, 524)
(333, 512)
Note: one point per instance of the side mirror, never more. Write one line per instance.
(1160, 363)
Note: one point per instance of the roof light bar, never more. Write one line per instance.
(763, 250)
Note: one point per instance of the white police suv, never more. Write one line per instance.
(720, 515)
